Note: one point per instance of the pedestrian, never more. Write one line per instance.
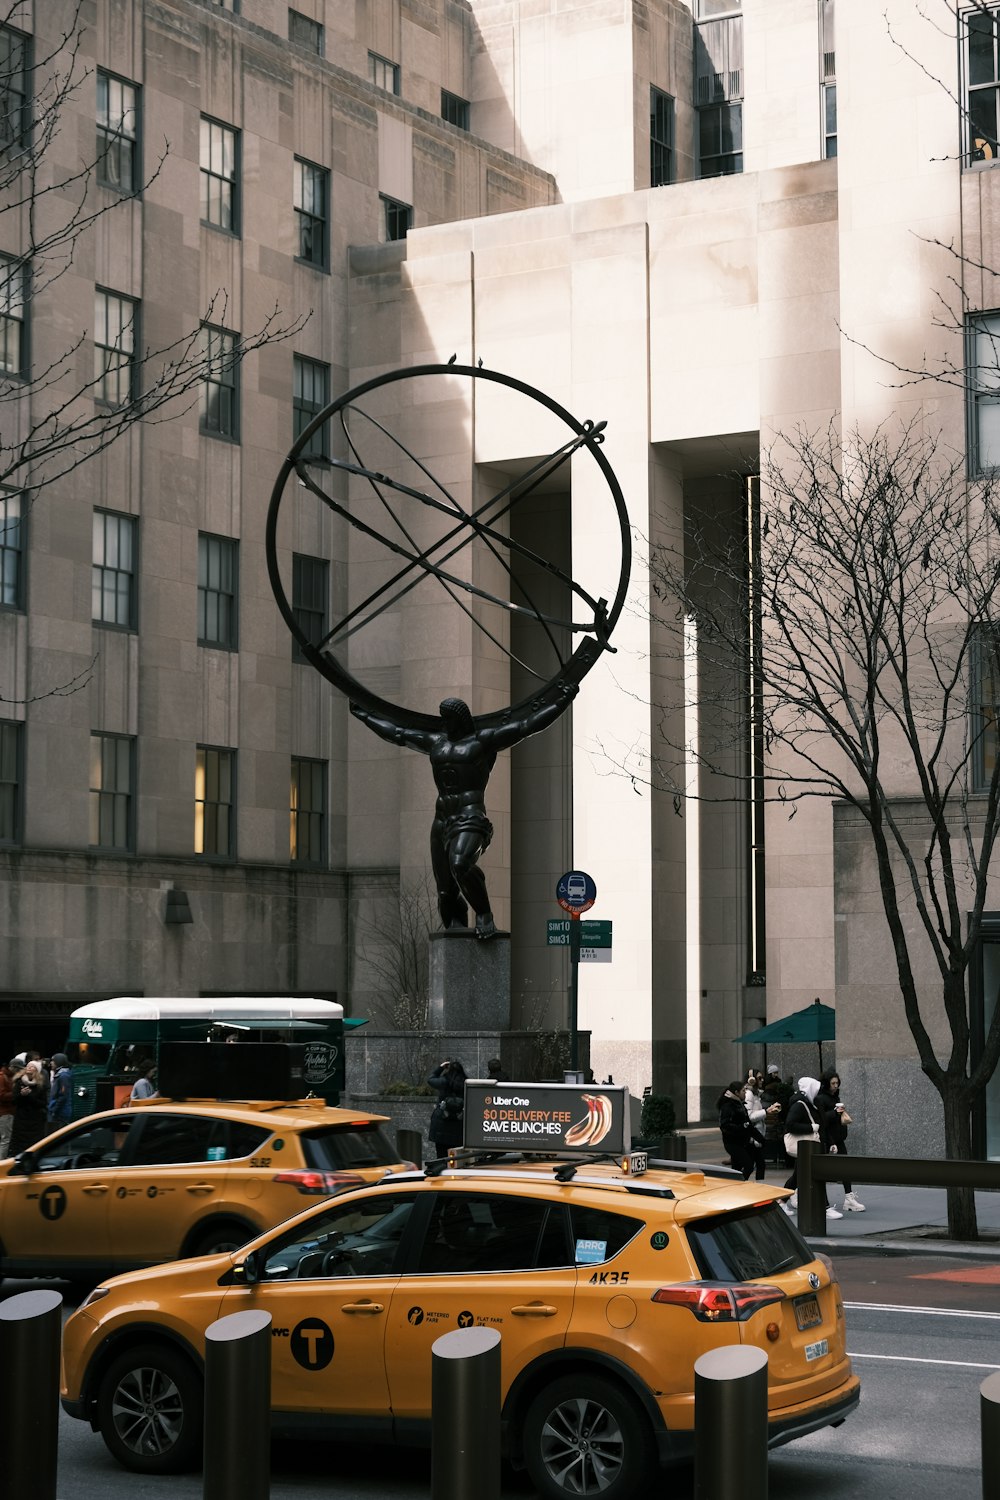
(494, 1070)
(145, 1085)
(752, 1091)
(60, 1090)
(31, 1101)
(6, 1108)
(446, 1127)
(803, 1122)
(774, 1091)
(834, 1121)
(740, 1138)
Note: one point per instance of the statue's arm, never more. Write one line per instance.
(533, 721)
(415, 739)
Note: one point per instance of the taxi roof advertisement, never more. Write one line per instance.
(561, 1117)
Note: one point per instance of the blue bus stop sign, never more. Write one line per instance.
(576, 891)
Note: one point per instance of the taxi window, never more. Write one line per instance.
(339, 1148)
(360, 1238)
(167, 1139)
(598, 1234)
(244, 1139)
(741, 1246)
(99, 1143)
(473, 1232)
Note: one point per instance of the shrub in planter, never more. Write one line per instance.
(658, 1121)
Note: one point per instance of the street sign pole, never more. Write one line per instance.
(574, 979)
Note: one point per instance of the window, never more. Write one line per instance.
(172, 1139)
(310, 393)
(310, 591)
(312, 199)
(308, 812)
(219, 176)
(220, 387)
(11, 551)
(720, 140)
(661, 138)
(343, 1148)
(112, 768)
(100, 1143)
(383, 73)
(477, 1233)
(718, 55)
(218, 572)
(114, 570)
(454, 111)
(117, 134)
(983, 360)
(353, 1239)
(828, 77)
(983, 82)
(115, 321)
(214, 801)
(305, 33)
(15, 63)
(397, 220)
(11, 780)
(986, 699)
(233, 5)
(13, 312)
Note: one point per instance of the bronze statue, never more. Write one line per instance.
(462, 755)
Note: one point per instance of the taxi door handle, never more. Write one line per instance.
(534, 1310)
(96, 1188)
(201, 1187)
(362, 1307)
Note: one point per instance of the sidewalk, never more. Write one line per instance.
(897, 1219)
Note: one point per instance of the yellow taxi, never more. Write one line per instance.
(605, 1286)
(161, 1180)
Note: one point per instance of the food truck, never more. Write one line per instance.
(110, 1040)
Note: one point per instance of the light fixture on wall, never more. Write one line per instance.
(178, 908)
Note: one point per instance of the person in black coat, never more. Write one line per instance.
(31, 1101)
(448, 1082)
(739, 1136)
(834, 1121)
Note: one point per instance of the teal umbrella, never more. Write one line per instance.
(813, 1023)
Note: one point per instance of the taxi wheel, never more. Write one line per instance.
(583, 1435)
(149, 1408)
(226, 1236)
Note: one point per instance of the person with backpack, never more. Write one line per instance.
(61, 1090)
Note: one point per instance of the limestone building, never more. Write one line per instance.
(694, 221)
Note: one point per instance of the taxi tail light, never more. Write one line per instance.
(322, 1183)
(718, 1301)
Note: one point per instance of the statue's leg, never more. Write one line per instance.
(451, 907)
(464, 855)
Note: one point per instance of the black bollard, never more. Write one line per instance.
(989, 1420)
(465, 1415)
(238, 1408)
(811, 1192)
(30, 1334)
(730, 1424)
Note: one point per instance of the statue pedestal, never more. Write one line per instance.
(469, 982)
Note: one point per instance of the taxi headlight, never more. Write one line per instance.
(94, 1296)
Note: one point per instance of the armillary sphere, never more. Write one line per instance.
(418, 528)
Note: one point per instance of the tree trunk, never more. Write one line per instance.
(962, 1224)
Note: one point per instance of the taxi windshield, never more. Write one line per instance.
(336, 1148)
(751, 1243)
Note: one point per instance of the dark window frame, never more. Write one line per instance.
(15, 70)
(379, 68)
(313, 33)
(310, 599)
(308, 817)
(215, 758)
(12, 552)
(304, 408)
(220, 352)
(115, 364)
(397, 218)
(455, 110)
(15, 302)
(113, 801)
(228, 219)
(218, 595)
(102, 570)
(984, 324)
(114, 142)
(661, 137)
(723, 162)
(984, 712)
(12, 764)
(312, 217)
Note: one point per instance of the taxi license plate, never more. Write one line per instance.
(807, 1313)
(816, 1351)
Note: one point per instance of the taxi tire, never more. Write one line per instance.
(597, 1410)
(225, 1235)
(167, 1380)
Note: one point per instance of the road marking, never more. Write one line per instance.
(911, 1359)
(930, 1312)
(978, 1275)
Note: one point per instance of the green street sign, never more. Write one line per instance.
(593, 934)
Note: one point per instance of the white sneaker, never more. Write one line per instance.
(786, 1205)
(834, 1213)
(852, 1204)
(793, 1201)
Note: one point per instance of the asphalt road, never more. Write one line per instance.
(925, 1332)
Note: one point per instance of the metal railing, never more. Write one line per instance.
(817, 1169)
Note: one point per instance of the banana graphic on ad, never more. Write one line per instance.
(594, 1126)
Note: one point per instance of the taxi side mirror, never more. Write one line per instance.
(25, 1165)
(248, 1270)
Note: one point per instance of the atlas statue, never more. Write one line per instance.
(462, 755)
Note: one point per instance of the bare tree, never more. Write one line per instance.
(396, 956)
(52, 419)
(847, 636)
